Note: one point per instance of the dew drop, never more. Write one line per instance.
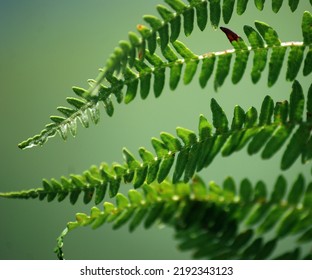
(95, 113)
(73, 127)
(63, 131)
(84, 118)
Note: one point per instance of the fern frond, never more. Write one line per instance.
(227, 221)
(216, 222)
(125, 70)
(190, 152)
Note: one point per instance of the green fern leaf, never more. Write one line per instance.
(296, 192)
(266, 113)
(294, 255)
(132, 86)
(266, 250)
(204, 128)
(260, 53)
(207, 69)
(177, 5)
(159, 147)
(240, 60)
(306, 28)
(188, 137)
(268, 33)
(241, 6)
(296, 104)
(259, 4)
(202, 14)
(153, 21)
(272, 218)
(278, 53)
(227, 10)
(220, 121)
(295, 146)
(235, 138)
(306, 237)
(293, 4)
(140, 177)
(279, 190)
(188, 22)
(275, 65)
(245, 191)
(249, 252)
(175, 75)
(289, 222)
(164, 168)
(295, 59)
(223, 68)
(276, 5)
(265, 133)
(307, 69)
(190, 70)
(281, 134)
(229, 189)
(215, 13)
(171, 204)
(180, 165)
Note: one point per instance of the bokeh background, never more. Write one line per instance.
(47, 47)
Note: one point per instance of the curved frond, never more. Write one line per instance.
(190, 152)
(215, 222)
(135, 62)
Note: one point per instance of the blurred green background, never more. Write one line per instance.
(47, 47)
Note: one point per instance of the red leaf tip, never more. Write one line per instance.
(232, 36)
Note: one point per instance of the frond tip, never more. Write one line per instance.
(209, 219)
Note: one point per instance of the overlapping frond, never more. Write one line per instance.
(133, 65)
(189, 152)
(216, 222)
